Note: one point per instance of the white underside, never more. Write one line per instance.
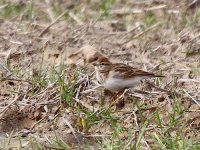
(117, 84)
(98, 76)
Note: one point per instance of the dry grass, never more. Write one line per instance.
(45, 103)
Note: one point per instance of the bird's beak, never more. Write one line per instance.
(94, 64)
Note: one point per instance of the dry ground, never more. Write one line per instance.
(43, 99)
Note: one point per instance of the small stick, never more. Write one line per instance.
(137, 126)
(114, 102)
(147, 30)
(49, 10)
(193, 4)
(54, 22)
(156, 7)
(137, 11)
(91, 90)
(74, 17)
(3, 6)
(98, 135)
(191, 97)
(141, 33)
(133, 29)
(16, 42)
(156, 87)
(125, 91)
(135, 119)
(78, 91)
(89, 107)
(33, 126)
(71, 128)
(189, 80)
(4, 109)
(198, 35)
(13, 79)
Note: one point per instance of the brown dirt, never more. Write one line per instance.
(162, 49)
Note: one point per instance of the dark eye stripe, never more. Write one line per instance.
(104, 63)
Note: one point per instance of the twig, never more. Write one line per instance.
(133, 29)
(98, 135)
(91, 90)
(141, 33)
(147, 30)
(74, 17)
(16, 42)
(198, 35)
(78, 91)
(89, 107)
(137, 126)
(156, 7)
(135, 119)
(158, 88)
(3, 6)
(33, 126)
(193, 4)
(5, 108)
(49, 10)
(141, 96)
(121, 96)
(105, 108)
(136, 11)
(191, 97)
(13, 79)
(10, 73)
(10, 137)
(53, 147)
(45, 90)
(54, 22)
(189, 80)
(71, 128)
(193, 110)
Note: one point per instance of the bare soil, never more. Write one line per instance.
(157, 40)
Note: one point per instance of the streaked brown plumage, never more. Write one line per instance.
(119, 76)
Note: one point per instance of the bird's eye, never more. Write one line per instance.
(102, 65)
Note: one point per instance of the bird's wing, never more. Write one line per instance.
(124, 71)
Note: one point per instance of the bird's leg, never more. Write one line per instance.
(117, 98)
(120, 98)
(107, 92)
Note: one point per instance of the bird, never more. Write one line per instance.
(116, 77)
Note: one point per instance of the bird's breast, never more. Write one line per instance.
(118, 84)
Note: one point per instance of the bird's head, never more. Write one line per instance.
(103, 64)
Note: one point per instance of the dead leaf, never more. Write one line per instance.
(87, 53)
